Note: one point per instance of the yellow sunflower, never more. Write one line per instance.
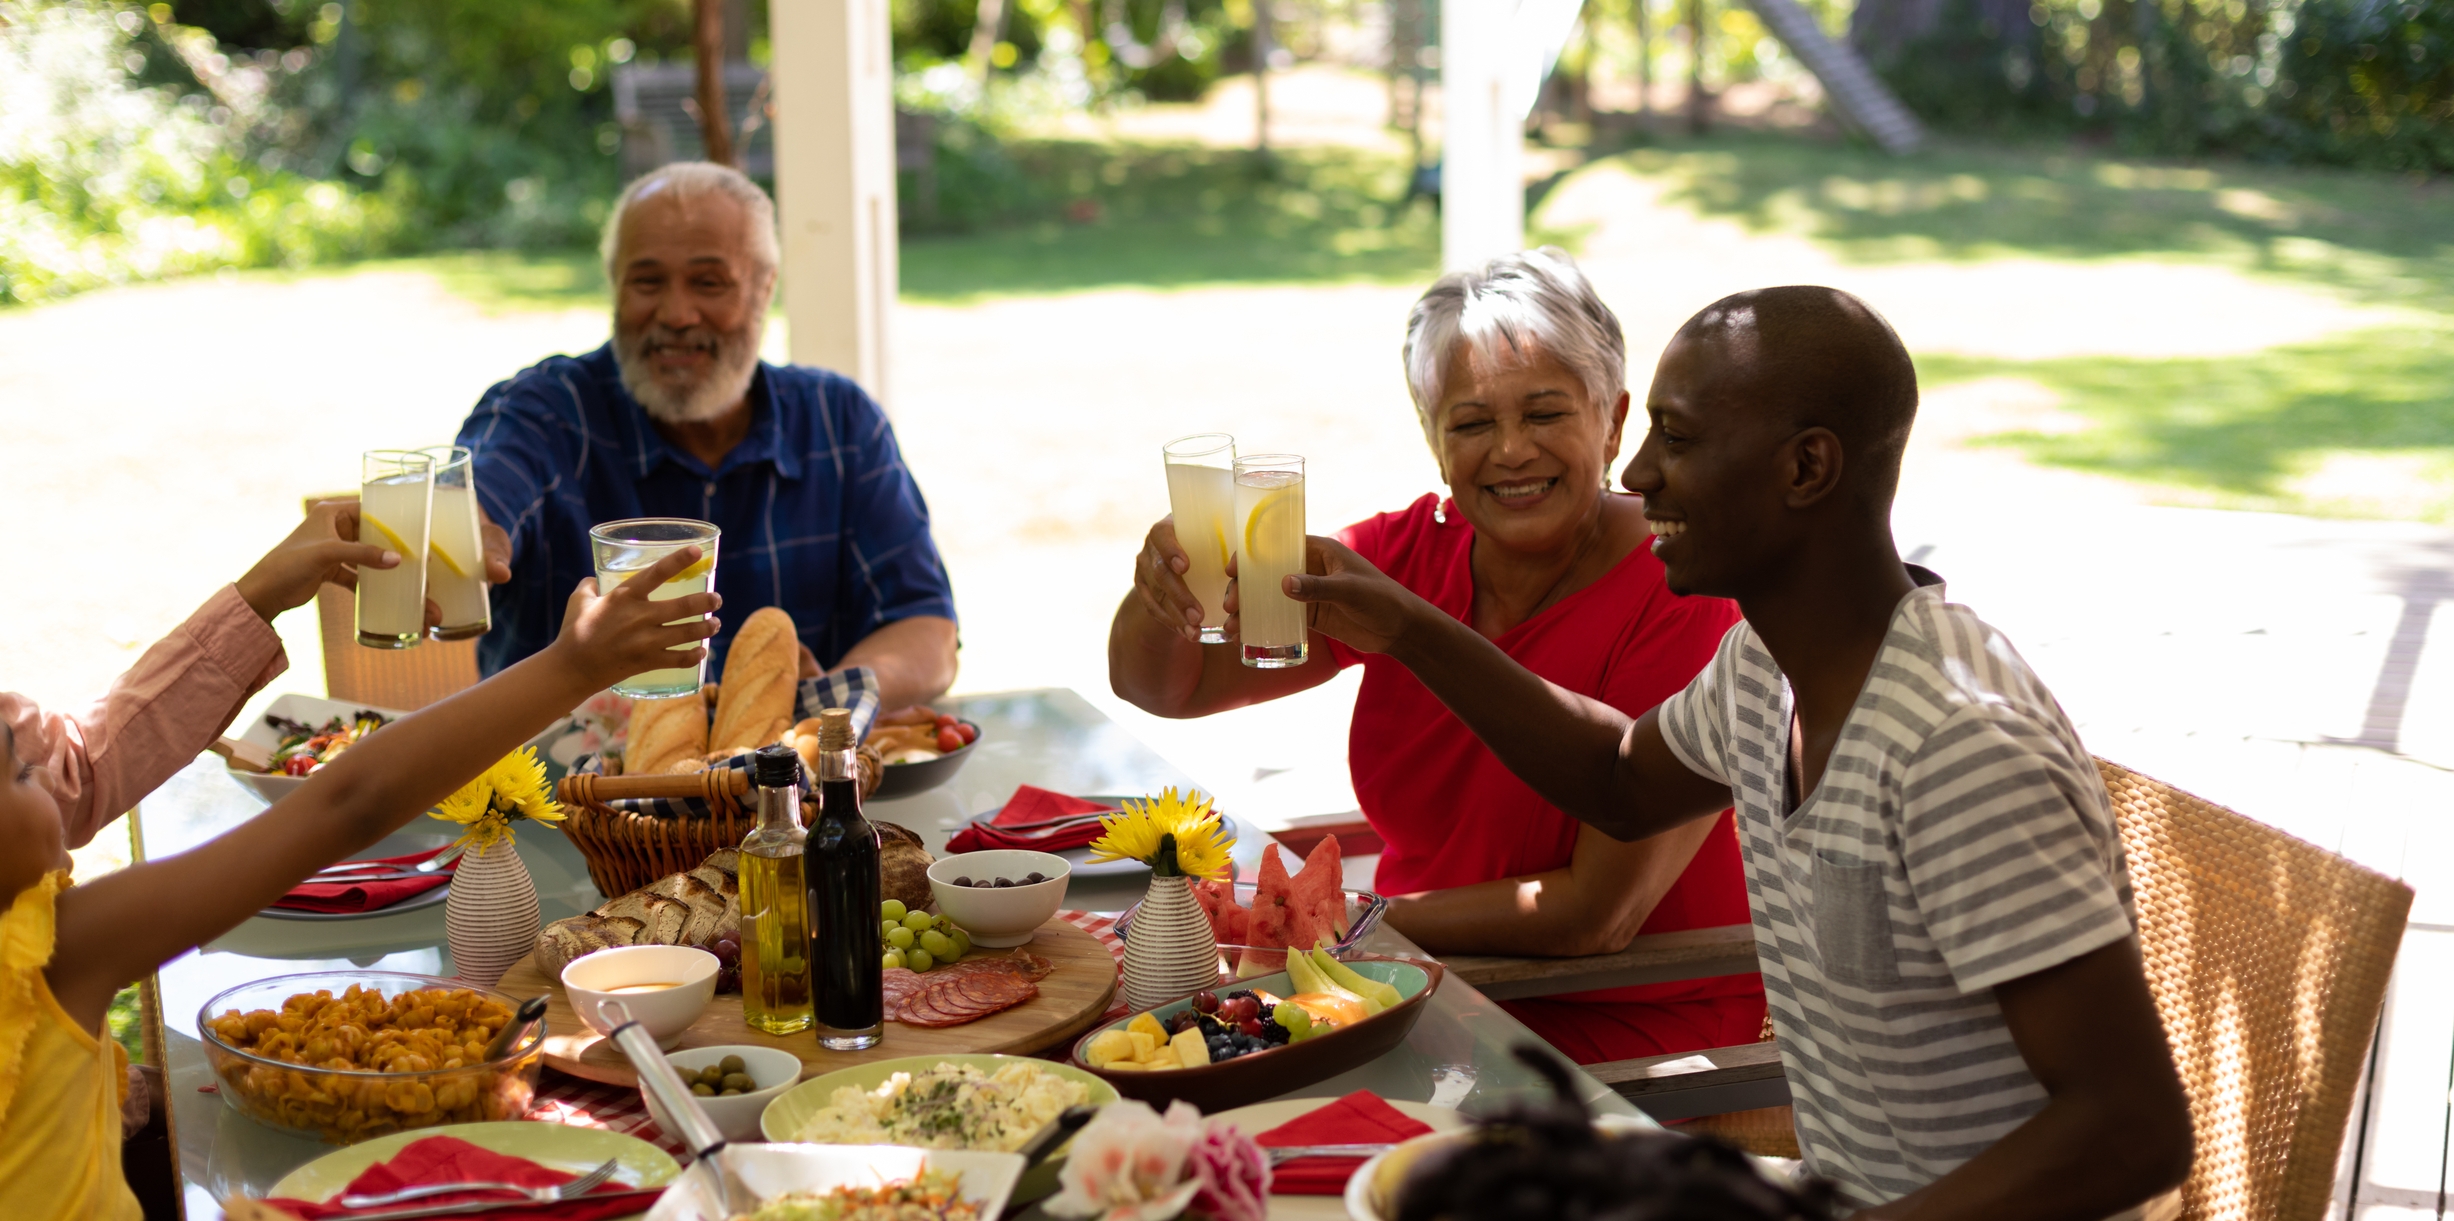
(1173, 835)
(513, 790)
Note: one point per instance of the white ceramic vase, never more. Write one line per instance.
(491, 916)
(1172, 950)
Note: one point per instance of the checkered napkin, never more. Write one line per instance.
(576, 1103)
(855, 688)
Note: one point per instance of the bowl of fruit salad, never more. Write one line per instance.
(1265, 1037)
(921, 747)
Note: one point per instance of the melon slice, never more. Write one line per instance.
(1316, 900)
(1269, 932)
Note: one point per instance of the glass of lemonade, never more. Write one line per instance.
(1201, 493)
(455, 557)
(624, 547)
(1270, 546)
(393, 499)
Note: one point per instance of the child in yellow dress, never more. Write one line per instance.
(65, 950)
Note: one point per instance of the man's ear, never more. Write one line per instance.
(1812, 463)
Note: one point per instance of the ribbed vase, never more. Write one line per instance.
(1172, 950)
(491, 916)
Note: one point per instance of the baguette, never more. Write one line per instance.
(665, 733)
(761, 676)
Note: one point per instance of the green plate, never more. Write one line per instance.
(784, 1118)
(554, 1146)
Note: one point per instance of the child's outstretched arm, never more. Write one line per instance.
(116, 928)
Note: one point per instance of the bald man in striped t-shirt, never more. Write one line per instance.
(1942, 912)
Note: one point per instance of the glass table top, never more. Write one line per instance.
(1458, 1054)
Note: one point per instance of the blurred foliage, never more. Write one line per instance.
(2348, 82)
(127, 1022)
(1102, 215)
(106, 179)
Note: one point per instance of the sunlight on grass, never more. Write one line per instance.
(2382, 237)
(1169, 216)
(2357, 425)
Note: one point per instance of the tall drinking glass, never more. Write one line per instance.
(1270, 510)
(455, 558)
(1201, 493)
(393, 499)
(624, 547)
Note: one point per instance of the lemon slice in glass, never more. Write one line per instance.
(436, 550)
(390, 536)
(695, 570)
(1262, 523)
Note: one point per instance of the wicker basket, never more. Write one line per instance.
(627, 850)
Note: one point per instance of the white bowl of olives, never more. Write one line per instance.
(733, 1083)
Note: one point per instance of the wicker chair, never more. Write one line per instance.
(403, 680)
(2268, 959)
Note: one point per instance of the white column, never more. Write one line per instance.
(1482, 141)
(835, 182)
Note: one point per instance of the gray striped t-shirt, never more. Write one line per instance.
(1959, 837)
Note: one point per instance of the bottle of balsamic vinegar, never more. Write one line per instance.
(840, 863)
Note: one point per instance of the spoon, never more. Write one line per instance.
(530, 1012)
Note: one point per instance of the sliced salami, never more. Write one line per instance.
(995, 991)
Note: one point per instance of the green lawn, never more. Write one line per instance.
(2239, 432)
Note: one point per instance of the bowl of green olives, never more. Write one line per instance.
(733, 1083)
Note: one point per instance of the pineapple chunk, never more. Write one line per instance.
(1148, 1024)
(1142, 1044)
(1190, 1048)
(1110, 1046)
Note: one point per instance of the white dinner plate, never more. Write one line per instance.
(553, 1146)
(1080, 858)
(1260, 1117)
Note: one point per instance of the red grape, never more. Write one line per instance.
(1250, 1026)
(1207, 1002)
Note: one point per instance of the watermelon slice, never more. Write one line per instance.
(1269, 932)
(1316, 901)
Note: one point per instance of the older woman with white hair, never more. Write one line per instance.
(1519, 373)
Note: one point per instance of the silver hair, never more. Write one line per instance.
(1537, 295)
(691, 180)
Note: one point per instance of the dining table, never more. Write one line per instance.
(1459, 1054)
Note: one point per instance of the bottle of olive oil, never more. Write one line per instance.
(847, 978)
(775, 944)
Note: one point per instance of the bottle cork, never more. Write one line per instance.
(835, 729)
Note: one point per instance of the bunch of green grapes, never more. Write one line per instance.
(918, 940)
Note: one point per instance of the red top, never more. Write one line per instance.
(1453, 815)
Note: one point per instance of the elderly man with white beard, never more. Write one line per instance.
(678, 417)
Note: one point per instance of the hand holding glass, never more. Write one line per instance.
(624, 547)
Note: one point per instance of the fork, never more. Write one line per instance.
(542, 1195)
(1291, 1152)
(351, 869)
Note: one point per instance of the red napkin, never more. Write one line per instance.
(1018, 825)
(1360, 1118)
(449, 1159)
(367, 896)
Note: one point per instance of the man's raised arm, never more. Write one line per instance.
(1580, 754)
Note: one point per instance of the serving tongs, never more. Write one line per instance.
(698, 1132)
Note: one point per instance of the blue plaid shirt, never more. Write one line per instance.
(819, 515)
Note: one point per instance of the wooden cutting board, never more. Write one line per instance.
(1071, 1000)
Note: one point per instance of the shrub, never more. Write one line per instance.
(104, 180)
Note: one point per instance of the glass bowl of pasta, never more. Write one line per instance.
(346, 1056)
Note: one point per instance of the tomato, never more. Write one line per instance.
(298, 765)
(946, 720)
(948, 741)
(970, 735)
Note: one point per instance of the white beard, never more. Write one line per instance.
(712, 395)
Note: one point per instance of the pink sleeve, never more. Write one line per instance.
(154, 719)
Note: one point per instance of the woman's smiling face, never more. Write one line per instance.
(1525, 448)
